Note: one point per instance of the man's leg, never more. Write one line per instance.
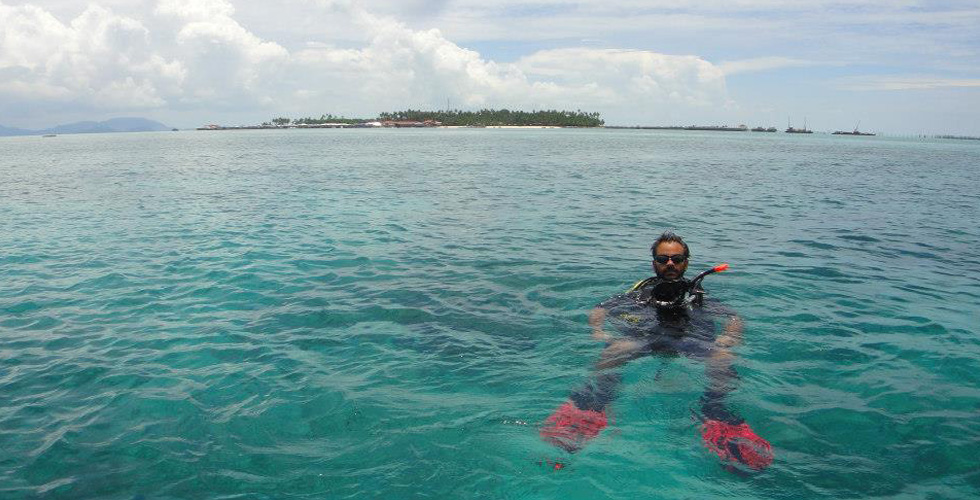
(583, 416)
(723, 431)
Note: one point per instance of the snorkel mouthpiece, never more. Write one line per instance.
(668, 293)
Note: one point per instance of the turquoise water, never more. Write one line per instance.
(391, 313)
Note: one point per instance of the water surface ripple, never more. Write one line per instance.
(390, 313)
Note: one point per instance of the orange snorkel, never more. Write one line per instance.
(695, 288)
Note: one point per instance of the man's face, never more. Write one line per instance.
(670, 270)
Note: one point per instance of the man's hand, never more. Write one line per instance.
(731, 336)
(596, 319)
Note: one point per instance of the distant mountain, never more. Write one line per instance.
(113, 125)
(6, 131)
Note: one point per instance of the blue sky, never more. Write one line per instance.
(900, 66)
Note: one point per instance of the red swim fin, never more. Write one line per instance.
(570, 428)
(736, 444)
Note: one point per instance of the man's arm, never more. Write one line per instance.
(596, 319)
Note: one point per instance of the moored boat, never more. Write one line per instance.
(854, 132)
(792, 130)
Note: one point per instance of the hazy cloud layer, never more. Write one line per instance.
(874, 83)
(765, 64)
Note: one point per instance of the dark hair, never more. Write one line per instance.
(669, 237)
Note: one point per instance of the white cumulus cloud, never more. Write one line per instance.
(630, 77)
(98, 58)
(227, 63)
(401, 67)
(194, 56)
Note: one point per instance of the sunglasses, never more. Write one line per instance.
(662, 259)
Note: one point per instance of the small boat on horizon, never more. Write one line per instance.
(764, 129)
(854, 132)
(791, 130)
(50, 135)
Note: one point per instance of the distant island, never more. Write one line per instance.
(91, 127)
(958, 137)
(502, 117)
(449, 118)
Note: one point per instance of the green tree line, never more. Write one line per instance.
(282, 121)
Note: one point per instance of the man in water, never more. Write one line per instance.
(664, 315)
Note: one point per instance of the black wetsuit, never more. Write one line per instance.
(689, 331)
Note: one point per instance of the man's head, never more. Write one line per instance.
(667, 250)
